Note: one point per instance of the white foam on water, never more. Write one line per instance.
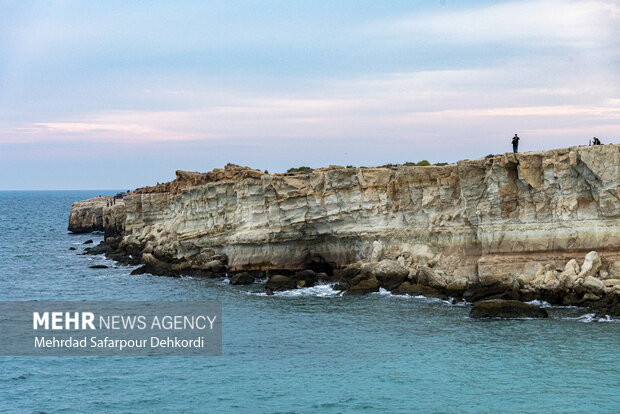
(383, 292)
(317, 290)
(541, 303)
(320, 291)
(591, 317)
(387, 293)
(545, 304)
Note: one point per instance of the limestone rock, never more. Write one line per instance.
(484, 220)
(377, 251)
(572, 268)
(364, 287)
(591, 265)
(593, 285)
(214, 266)
(525, 279)
(459, 284)
(390, 274)
(279, 282)
(429, 277)
(567, 280)
(590, 297)
(549, 276)
(350, 272)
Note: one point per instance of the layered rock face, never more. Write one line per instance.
(87, 215)
(97, 214)
(481, 221)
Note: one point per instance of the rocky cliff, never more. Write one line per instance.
(485, 221)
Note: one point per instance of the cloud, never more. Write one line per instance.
(441, 82)
(547, 22)
(73, 127)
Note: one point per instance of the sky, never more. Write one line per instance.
(119, 95)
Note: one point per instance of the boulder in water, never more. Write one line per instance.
(390, 274)
(364, 287)
(415, 289)
(499, 308)
(139, 270)
(280, 282)
(243, 278)
(429, 277)
(478, 292)
(98, 249)
(306, 278)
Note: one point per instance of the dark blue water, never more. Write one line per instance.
(302, 351)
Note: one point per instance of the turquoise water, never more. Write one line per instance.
(302, 351)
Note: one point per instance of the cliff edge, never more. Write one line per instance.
(509, 220)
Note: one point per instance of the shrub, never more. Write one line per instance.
(302, 169)
(423, 163)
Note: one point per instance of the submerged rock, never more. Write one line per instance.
(305, 278)
(99, 266)
(139, 270)
(415, 289)
(363, 287)
(478, 292)
(98, 249)
(280, 282)
(498, 308)
(89, 241)
(242, 279)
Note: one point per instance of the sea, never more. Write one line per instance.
(303, 351)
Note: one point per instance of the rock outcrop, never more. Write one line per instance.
(97, 214)
(509, 224)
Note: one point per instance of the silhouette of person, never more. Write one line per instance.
(515, 144)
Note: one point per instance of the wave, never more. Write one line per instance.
(545, 304)
(387, 293)
(320, 291)
(593, 317)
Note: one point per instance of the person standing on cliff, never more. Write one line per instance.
(515, 144)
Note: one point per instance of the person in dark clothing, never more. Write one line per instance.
(515, 144)
(596, 141)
